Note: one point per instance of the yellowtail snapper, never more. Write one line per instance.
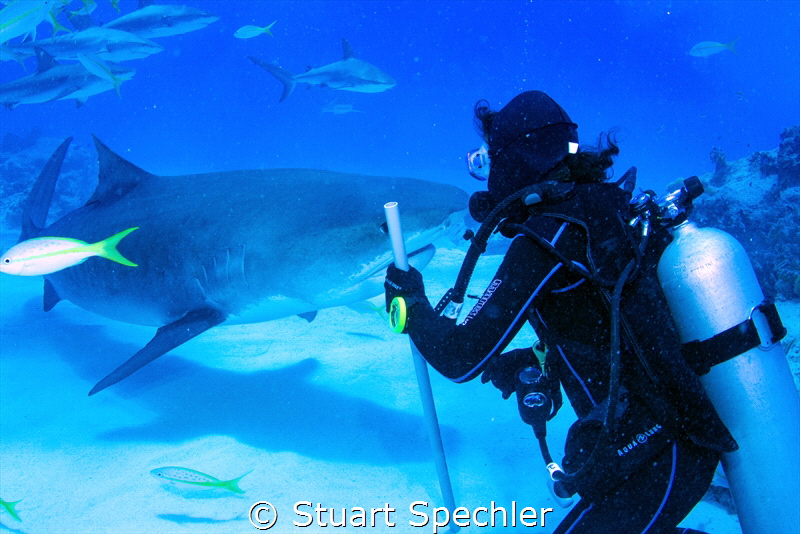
(184, 475)
(45, 255)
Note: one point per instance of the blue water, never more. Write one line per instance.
(201, 105)
(344, 427)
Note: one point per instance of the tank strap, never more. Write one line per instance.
(703, 355)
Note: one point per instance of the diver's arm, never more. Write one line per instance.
(460, 351)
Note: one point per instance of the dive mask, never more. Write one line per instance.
(478, 163)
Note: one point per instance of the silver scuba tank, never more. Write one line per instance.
(711, 288)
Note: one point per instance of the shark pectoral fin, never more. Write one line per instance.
(419, 259)
(308, 316)
(167, 338)
(50, 298)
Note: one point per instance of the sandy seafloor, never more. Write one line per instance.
(326, 412)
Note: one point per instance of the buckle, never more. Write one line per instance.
(769, 320)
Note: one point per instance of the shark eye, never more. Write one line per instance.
(6, 260)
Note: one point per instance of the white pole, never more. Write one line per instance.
(421, 368)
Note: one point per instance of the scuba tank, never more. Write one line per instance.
(732, 335)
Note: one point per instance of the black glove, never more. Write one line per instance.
(502, 370)
(406, 284)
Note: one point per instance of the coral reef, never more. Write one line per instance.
(13, 143)
(757, 200)
(788, 160)
(21, 161)
(721, 168)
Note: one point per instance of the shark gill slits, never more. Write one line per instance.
(228, 264)
(244, 273)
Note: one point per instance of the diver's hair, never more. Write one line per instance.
(586, 167)
(483, 118)
(590, 166)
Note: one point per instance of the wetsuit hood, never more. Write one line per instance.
(528, 139)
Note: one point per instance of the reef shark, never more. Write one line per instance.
(55, 81)
(157, 20)
(232, 247)
(349, 74)
(105, 43)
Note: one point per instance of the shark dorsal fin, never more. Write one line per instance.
(347, 49)
(144, 3)
(45, 60)
(82, 21)
(117, 176)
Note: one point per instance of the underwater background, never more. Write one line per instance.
(328, 411)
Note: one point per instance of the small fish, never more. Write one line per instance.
(103, 70)
(86, 9)
(196, 478)
(45, 255)
(709, 48)
(9, 507)
(246, 32)
(20, 17)
(340, 109)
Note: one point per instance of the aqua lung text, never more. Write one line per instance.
(640, 439)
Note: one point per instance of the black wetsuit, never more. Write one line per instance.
(571, 316)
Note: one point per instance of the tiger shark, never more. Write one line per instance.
(349, 74)
(232, 247)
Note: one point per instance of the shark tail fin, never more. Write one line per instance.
(233, 485)
(286, 77)
(34, 214)
(107, 248)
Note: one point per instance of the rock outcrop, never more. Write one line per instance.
(757, 200)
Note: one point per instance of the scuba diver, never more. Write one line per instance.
(648, 440)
